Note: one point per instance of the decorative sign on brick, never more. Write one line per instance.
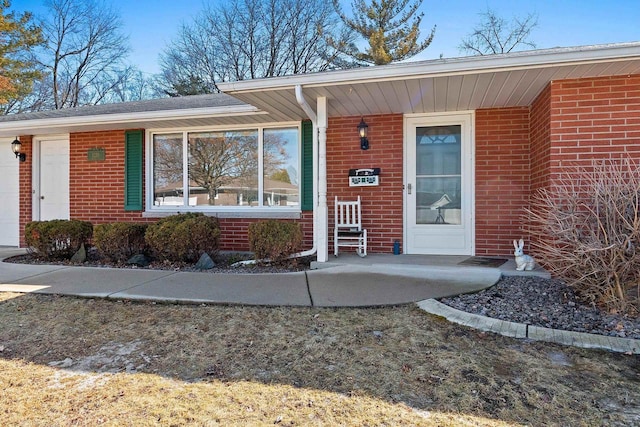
(96, 155)
(364, 177)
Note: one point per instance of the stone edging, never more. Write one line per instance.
(520, 330)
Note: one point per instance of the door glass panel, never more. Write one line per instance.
(438, 175)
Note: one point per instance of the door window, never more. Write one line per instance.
(438, 175)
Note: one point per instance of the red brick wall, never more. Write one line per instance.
(518, 150)
(502, 168)
(595, 118)
(540, 136)
(572, 122)
(25, 185)
(96, 190)
(502, 177)
(382, 206)
(306, 222)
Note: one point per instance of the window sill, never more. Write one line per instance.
(262, 214)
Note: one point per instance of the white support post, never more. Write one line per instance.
(323, 211)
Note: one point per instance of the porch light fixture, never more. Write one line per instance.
(16, 145)
(362, 130)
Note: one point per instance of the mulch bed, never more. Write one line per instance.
(224, 264)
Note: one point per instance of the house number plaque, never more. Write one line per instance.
(96, 155)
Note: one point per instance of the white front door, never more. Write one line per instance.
(9, 195)
(439, 184)
(53, 194)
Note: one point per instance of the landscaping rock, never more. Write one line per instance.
(205, 262)
(140, 260)
(66, 363)
(80, 256)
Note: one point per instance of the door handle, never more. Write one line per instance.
(409, 188)
(41, 197)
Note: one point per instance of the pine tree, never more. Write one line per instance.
(393, 33)
(18, 36)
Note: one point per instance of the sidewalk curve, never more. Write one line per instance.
(358, 285)
(339, 286)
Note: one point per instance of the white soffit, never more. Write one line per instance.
(457, 84)
(442, 85)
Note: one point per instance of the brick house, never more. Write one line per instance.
(461, 145)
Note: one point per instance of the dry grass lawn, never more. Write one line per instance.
(68, 361)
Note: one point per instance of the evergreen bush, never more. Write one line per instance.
(183, 237)
(58, 238)
(274, 240)
(119, 241)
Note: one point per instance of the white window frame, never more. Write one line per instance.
(261, 211)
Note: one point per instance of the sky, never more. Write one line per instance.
(152, 24)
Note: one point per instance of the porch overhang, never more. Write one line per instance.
(456, 84)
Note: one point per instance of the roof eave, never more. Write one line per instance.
(442, 67)
(34, 125)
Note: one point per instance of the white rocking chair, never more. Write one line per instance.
(348, 231)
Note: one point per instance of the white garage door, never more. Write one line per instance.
(9, 191)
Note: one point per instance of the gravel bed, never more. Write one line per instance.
(547, 303)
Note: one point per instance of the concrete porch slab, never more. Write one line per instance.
(414, 261)
(384, 284)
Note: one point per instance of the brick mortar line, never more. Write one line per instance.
(537, 333)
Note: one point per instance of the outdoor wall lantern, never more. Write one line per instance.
(362, 130)
(15, 147)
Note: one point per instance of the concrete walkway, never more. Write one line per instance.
(347, 281)
(374, 283)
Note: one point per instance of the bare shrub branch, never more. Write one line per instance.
(589, 232)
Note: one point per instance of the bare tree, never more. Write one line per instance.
(84, 51)
(188, 65)
(218, 159)
(391, 27)
(495, 34)
(221, 158)
(246, 39)
(127, 84)
(167, 163)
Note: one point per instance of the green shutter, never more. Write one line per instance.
(307, 167)
(133, 170)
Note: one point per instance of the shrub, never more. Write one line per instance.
(589, 225)
(119, 241)
(274, 240)
(58, 238)
(184, 237)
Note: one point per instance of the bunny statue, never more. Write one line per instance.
(523, 262)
